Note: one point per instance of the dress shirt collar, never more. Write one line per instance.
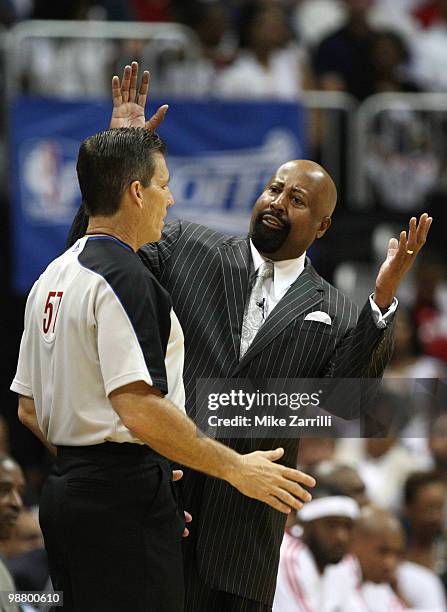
(285, 272)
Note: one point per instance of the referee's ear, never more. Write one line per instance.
(136, 193)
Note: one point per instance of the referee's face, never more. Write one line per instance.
(157, 199)
(11, 489)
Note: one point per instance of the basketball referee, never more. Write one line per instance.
(100, 382)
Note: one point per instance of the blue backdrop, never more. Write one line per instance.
(219, 154)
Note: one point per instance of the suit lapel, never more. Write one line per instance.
(235, 261)
(305, 293)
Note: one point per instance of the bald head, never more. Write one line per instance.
(374, 521)
(319, 177)
(378, 544)
(294, 209)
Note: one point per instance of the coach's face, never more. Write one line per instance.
(293, 210)
(157, 198)
(11, 488)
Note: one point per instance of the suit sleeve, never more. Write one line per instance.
(364, 351)
(154, 255)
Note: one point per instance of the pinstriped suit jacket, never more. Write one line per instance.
(207, 275)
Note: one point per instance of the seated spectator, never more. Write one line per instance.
(315, 19)
(437, 444)
(429, 307)
(430, 53)
(345, 478)
(270, 64)
(26, 555)
(26, 536)
(196, 77)
(370, 571)
(71, 67)
(424, 508)
(390, 60)
(382, 463)
(422, 588)
(408, 360)
(342, 60)
(312, 451)
(11, 490)
(327, 523)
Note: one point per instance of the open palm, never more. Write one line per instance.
(129, 103)
(401, 255)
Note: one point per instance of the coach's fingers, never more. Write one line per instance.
(144, 89)
(125, 83)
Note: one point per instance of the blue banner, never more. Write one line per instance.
(219, 154)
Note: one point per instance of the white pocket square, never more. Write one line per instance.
(318, 315)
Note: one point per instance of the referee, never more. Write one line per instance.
(100, 382)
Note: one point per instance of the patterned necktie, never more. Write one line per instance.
(254, 312)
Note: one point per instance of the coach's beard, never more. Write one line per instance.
(266, 239)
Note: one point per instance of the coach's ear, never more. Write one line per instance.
(136, 193)
(325, 224)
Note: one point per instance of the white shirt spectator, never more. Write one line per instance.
(430, 58)
(421, 587)
(247, 78)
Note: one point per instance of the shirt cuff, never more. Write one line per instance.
(381, 318)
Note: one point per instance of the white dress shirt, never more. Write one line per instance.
(285, 274)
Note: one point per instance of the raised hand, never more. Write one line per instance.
(400, 258)
(129, 102)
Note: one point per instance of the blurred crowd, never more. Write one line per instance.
(267, 48)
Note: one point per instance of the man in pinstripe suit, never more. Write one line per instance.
(232, 556)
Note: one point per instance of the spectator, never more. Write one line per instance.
(429, 308)
(430, 51)
(152, 10)
(312, 451)
(64, 68)
(425, 496)
(315, 19)
(342, 59)
(11, 490)
(270, 64)
(382, 463)
(26, 536)
(343, 477)
(437, 444)
(303, 578)
(377, 547)
(390, 58)
(210, 22)
(408, 360)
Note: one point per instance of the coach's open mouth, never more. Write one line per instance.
(272, 222)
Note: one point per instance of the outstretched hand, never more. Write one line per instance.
(129, 102)
(400, 258)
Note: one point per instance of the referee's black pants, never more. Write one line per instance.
(113, 530)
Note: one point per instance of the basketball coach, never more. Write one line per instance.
(217, 284)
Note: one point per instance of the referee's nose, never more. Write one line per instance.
(171, 200)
